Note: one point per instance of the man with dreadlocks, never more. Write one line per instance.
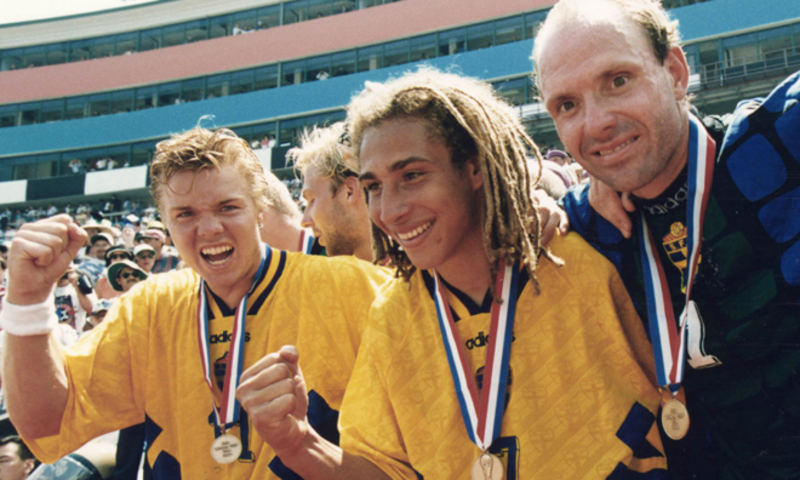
(485, 356)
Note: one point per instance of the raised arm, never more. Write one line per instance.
(273, 393)
(34, 380)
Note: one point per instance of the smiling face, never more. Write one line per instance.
(213, 220)
(420, 199)
(617, 109)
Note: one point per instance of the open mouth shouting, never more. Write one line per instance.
(217, 255)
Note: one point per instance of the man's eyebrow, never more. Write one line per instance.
(398, 165)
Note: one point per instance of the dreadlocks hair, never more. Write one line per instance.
(474, 124)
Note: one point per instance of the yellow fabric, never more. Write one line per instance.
(574, 377)
(144, 359)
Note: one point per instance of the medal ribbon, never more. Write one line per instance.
(306, 241)
(482, 410)
(228, 414)
(669, 345)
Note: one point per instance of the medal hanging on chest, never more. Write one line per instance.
(482, 411)
(226, 448)
(669, 344)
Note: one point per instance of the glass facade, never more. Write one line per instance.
(193, 31)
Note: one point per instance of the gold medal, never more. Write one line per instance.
(226, 448)
(487, 467)
(674, 419)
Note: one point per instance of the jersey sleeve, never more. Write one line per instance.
(100, 374)
(368, 424)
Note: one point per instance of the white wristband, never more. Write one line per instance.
(25, 320)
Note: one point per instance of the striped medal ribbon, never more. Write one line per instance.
(228, 413)
(669, 344)
(482, 410)
(306, 241)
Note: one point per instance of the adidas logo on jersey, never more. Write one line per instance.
(480, 341)
(225, 337)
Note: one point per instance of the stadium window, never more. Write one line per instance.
(740, 50)
(121, 101)
(512, 90)
(150, 39)
(422, 48)
(343, 63)
(452, 42)
(142, 153)
(196, 31)
(145, 98)
(29, 113)
(217, 86)
(125, 43)
(532, 22)
(292, 73)
(12, 59)
(776, 42)
(369, 58)
(219, 26)
(102, 47)
(319, 8)
(266, 77)
(395, 53)
(192, 90)
(99, 104)
(268, 17)
(80, 50)
(52, 111)
(8, 115)
(56, 53)
(318, 68)
(294, 12)
(342, 6)
(75, 108)
(34, 57)
(172, 35)
(241, 82)
(169, 94)
(480, 36)
(508, 30)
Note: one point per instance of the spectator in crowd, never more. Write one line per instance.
(557, 161)
(143, 361)
(117, 253)
(16, 460)
(99, 310)
(711, 254)
(443, 162)
(124, 274)
(93, 263)
(165, 259)
(74, 296)
(145, 256)
(335, 207)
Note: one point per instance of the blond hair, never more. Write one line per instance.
(201, 149)
(475, 124)
(327, 151)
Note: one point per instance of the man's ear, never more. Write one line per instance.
(352, 189)
(474, 172)
(678, 69)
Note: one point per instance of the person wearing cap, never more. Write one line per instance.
(165, 260)
(114, 254)
(93, 263)
(558, 162)
(124, 274)
(145, 256)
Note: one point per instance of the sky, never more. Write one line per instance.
(26, 10)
